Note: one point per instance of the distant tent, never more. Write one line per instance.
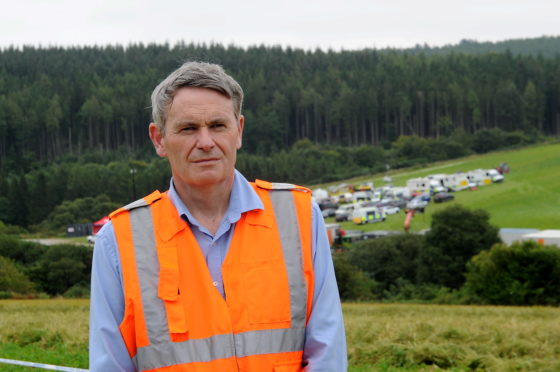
(97, 225)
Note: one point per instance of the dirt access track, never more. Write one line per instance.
(53, 241)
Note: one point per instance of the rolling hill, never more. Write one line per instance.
(528, 198)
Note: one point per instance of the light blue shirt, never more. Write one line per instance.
(325, 342)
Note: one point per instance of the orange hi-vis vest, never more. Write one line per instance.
(174, 317)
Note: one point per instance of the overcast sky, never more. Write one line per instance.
(308, 24)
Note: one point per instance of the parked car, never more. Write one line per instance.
(399, 203)
(443, 196)
(344, 212)
(438, 188)
(389, 209)
(417, 203)
(425, 197)
(327, 204)
(329, 212)
(495, 176)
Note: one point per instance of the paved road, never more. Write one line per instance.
(53, 241)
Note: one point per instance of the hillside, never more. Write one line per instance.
(57, 102)
(545, 46)
(529, 197)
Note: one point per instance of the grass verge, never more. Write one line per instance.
(381, 337)
(528, 198)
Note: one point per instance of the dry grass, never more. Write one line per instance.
(44, 322)
(421, 337)
(381, 338)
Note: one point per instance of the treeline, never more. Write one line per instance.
(459, 261)
(82, 189)
(545, 46)
(57, 101)
(29, 269)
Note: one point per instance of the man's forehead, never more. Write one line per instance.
(200, 96)
(188, 90)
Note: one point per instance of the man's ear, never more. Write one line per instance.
(157, 139)
(240, 131)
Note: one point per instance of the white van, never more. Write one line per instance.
(494, 175)
(368, 215)
(456, 182)
(344, 212)
(418, 186)
(362, 196)
(479, 177)
(396, 193)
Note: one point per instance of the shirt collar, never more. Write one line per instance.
(243, 198)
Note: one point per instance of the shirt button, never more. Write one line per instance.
(215, 284)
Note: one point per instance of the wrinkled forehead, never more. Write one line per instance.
(200, 104)
(200, 96)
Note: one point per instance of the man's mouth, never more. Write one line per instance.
(206, 160)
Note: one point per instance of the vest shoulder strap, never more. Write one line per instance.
(276, 186)
(144, 202)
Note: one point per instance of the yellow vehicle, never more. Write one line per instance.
(368, 215)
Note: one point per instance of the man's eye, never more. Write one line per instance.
(188, 129)
(218, 126)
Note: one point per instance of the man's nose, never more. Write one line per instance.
(204, 140)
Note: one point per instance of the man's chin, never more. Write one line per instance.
(208, 179)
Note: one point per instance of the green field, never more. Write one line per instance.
(388, 338)
(528, 198)
(380, 337)
(45, 331)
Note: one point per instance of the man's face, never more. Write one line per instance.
(201, 137)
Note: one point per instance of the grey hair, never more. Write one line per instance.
(198, 75)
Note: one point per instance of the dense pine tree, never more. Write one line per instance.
(73, 111)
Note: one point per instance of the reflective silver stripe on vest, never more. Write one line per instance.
(162, 352)
(219, 347)
(286, 219)
(282, 186)
(135, 204)
(190, 351)
(147, 266)
(283, 340)
(287, 186)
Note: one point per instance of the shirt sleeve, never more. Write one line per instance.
(325, 340)
(107, 350)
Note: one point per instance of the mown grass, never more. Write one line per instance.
(460, 338)
(528, 198)
(45, 331)
(381, 337)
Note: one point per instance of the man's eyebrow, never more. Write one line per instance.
(214, 120)
(186, 122)
(219, 119)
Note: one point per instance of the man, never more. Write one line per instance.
(216, 274)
